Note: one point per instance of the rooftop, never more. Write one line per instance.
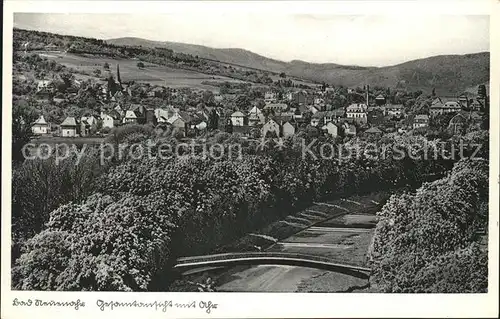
(69, 121)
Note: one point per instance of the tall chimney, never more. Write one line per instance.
(367, 92)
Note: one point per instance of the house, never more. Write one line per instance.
(349, 129)
(457, 124)
(463, 100)
(130, 117)
(476, 105)
(162, 115)
(373, 131)
(357, 112)
(40, 126)
(88, 125)
(157, 91)
(420, 120)
(334, 115)
(179, 124)
(45, 88)
(287, 129)
(331, 129)
(69, 127)
(255, 116)
(380, 100)
(119, 110)
(271, 129)
(297, 114)
(218, 98)
(201, 126)
(190, 120)
(299, 97)
(448, 107)
(394, 110)
(317, 118)
(51, 47)
(238, 118)
(270, 97)
(44, 85)
(313, 109)
(144, 115)
(319, 101)
(276, 107)
(110, 120)
(116, 95)
(150, 117)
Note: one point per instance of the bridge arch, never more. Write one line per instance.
(270, 258)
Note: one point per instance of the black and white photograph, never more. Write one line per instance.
(249, 152)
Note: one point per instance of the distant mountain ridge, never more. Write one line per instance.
(448, 74)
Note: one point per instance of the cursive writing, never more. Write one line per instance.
(111, 305)
(48, 303)
(207, 305)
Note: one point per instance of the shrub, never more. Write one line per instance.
(418, 233)
(40, 186)
(101, 244)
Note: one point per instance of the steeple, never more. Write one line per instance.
(118, 76)
(367, 95)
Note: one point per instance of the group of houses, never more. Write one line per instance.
(276, 117)
(136, 114)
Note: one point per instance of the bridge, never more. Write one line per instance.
(270, 258)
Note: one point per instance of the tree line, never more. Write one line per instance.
(120, 227)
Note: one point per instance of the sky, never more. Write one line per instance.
(365, 40)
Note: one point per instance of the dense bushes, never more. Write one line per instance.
(425, 240)
(40, 186)
(158, 209)
(101, 244)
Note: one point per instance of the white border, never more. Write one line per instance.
(253, 305)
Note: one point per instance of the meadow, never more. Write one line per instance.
(152, 73)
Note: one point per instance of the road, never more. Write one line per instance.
(339, 230)
(347, 241)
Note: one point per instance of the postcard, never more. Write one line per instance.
(249, 160)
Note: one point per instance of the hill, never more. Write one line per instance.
(234, 56)
(447, 73)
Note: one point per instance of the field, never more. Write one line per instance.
(153, 74)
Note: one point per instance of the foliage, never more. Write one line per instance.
(23, 117)
(420, 235)
(101, 244)
(203, 203)
(40, 186)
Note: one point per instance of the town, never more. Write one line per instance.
(258, 112)
(271, 219)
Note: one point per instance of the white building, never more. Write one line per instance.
(255, 116)
(331, 129)
(357, 112)
(40, 126)
(107, 120)
(288, 129)
(69, 128)
(238, 118)
(130, 117)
